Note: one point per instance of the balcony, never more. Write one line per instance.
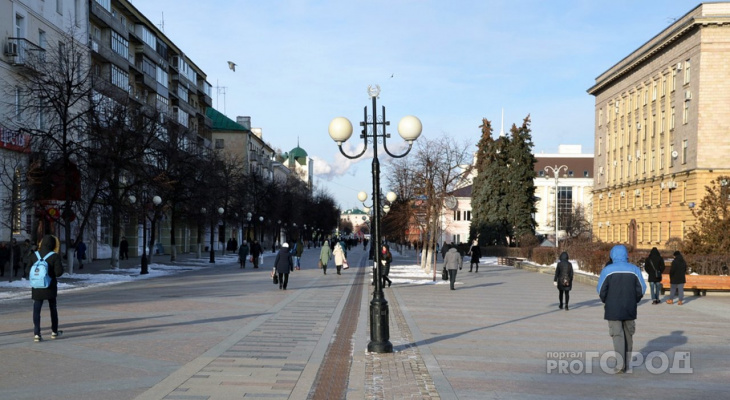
(22, 52)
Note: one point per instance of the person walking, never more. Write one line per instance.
(283, 264)
(677, 278)
(476, 253)
(385, 259)
(49, 244)
(243, 254)
(15, 257)
(4, 257)
(564, 279)
(299, 251)
(80, 252)
(339, 255)
(124, 249)
(654, 267)
(452, 262)
(620, 287)
(324, 255)
(256, 252)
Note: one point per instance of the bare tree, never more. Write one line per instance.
(436, 167)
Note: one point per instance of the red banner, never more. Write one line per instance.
(14, 140)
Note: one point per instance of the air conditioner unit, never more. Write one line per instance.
(11, 49)
(608, 223)
(679, 66)
(629, 157)
(623, 194)
(638, 126)
(688, 95)
(615, 163)
(609, 195)
(663, 185)
(600, 224)
(600, 196)
(672, 185)
(600, 170)
(637, 192)
(638, 155)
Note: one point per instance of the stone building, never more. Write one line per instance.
(661, 129)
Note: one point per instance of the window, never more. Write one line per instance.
(77, 12)
(540, 173)
(570, 173)
(467, 215)
(671, 155)
(161, 76)
(661, 123)
(585, 174)
(671, 119)
(565, 204)
(643, 163)
(219, 143)
(661, 158)
(674, 80)
(686, 72)
(59, 6)
(120, 45)
(120, 78)
(600, 117)
(600, 146)
(664, 85)
(685, 113)
(17, 207)
(107, 4)
(148, 37)
(42, 42)
(652, 160)
(18, 105)
(653, 91)
(148, 67)
(684, 151)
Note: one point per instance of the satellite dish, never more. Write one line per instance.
(450, 202)
(675, 154)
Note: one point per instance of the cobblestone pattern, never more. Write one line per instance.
(403, 373)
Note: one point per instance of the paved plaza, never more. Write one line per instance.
(223, 332)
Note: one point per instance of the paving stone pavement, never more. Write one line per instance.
(226, 333)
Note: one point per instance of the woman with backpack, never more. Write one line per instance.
(564, 279)
(49, 245)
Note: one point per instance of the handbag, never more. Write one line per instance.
(319, 264)
(445, 274)
(345, 265)
(275, 276)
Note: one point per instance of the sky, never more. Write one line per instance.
(450, 63)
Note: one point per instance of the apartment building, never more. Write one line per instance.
(27, 27)
(661, 129)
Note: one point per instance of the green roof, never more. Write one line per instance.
(221, 122)
(297, 152)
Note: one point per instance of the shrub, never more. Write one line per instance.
(544, 255)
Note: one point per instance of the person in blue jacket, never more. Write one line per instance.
(620, 287)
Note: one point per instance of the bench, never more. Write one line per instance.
(700, 284)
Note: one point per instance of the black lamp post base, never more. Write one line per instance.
(379, 328)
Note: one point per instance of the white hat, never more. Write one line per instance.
(285, 244)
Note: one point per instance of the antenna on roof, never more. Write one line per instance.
(218, 91)
(162, 23)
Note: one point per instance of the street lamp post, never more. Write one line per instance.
(261, 230)
(156, 201)
(340, 130)
(213, 224)
(556, 173)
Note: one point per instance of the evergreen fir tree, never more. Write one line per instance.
(520, 178)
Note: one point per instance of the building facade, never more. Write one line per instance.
(574, 188)
(661, 130)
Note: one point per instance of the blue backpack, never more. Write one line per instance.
(39, 278)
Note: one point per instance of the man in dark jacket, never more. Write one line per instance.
(677, 278)
(255, 252)
(654, 266)
(621, 286)
(55, 269)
